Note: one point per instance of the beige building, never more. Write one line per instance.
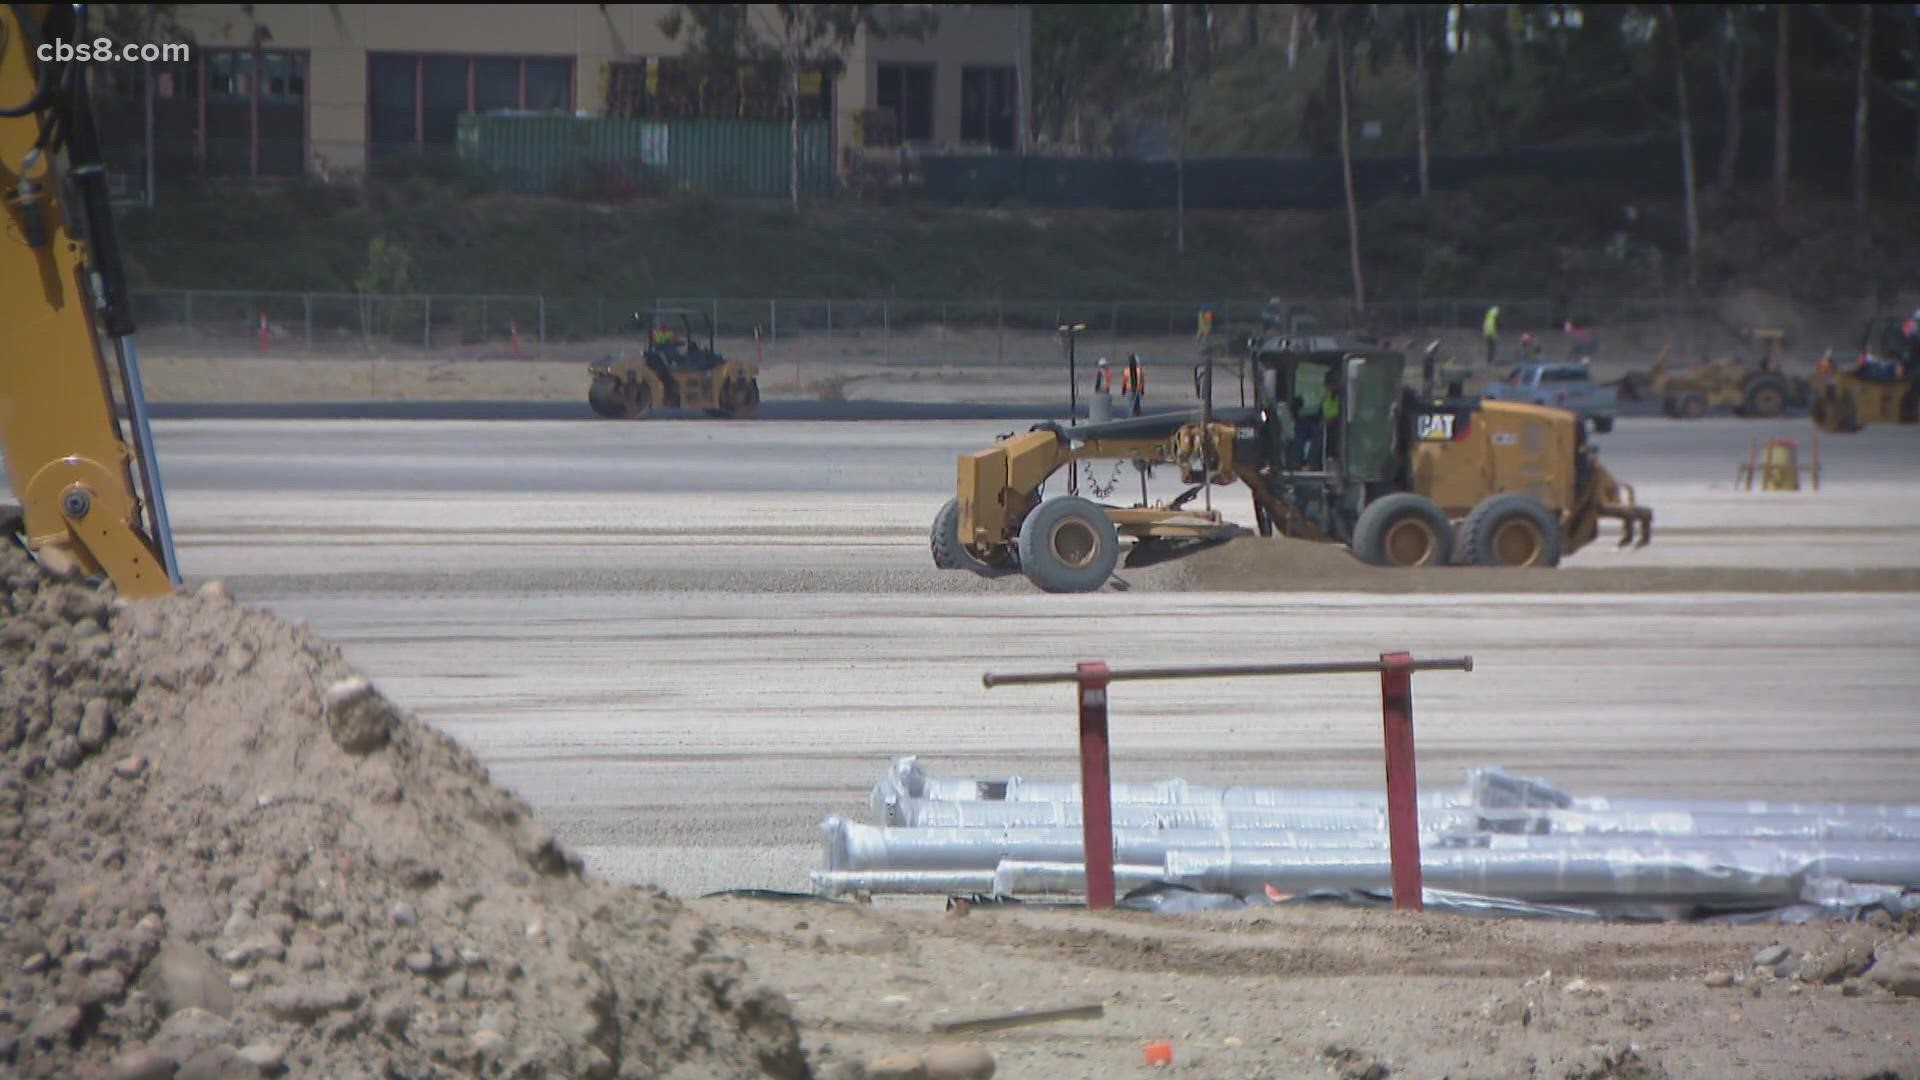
(292, 88)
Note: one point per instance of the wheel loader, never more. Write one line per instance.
(1881, 387)
(673, 371)
(1335, 449)
(82, 508)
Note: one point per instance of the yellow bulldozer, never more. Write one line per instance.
(1336, 448)
(673, 371)
(1882, 386)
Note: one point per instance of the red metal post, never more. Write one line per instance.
(1096, 785)
(1403, 805)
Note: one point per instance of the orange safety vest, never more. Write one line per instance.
(1133, 380)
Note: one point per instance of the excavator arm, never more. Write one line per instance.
(63, 313)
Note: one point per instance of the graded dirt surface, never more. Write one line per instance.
(685, 643)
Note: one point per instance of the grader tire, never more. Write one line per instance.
(1069, 545)
(1403, 530)
(1690, 406)
(1512, 530)
(948, 552)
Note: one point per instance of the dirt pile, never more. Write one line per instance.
(1274, 564)
(223, 854)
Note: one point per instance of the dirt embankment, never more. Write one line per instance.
(223, 854)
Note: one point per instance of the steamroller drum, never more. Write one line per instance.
(1512, 530)
(1765, 397)
(1069, 545)
(604, 396)
(948, 552)
(744, 401)
(1404, 530)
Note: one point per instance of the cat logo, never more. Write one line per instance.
(1436, 427)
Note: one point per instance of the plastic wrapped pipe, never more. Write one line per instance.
(1007, 878)
(1724, 878)
(1723, 825)
(1749, 807)
(1849, 860)
(930, 814)
(851, 846)
(1492, 787)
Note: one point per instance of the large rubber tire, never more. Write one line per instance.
(1512, 530)
(948, 552)
(1069, 545)
(1603, 425)
(1404, 530)
(1766, 397)
(1690, 406)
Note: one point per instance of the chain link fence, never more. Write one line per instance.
(892, 331)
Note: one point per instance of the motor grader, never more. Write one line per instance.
(1400, 478)
(673, 371)
(1881, 387)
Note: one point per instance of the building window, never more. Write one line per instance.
(906, 90)
(986, 106)
(414, 100)
(255, 112)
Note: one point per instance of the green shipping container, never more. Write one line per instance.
(541, 155)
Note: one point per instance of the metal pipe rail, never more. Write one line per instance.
(1355, 667)
(1096, 778)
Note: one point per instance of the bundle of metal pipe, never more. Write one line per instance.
(1499, 835)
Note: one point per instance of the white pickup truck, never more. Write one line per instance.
(1562, 386)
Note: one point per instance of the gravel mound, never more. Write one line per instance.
(222, 853)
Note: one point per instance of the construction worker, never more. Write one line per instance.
(1100, 409)
(1529, 347)
(1133, 382)
(1329, 416)
(1490, 326)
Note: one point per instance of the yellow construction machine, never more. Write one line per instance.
(62, 296)
(1763, 391)
(1336, 449)
(673, 371)
(1882, 386)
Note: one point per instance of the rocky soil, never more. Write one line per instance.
(222, 853)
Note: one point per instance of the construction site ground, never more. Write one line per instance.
(684, 643)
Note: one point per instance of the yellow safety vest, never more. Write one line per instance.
(1330, 406)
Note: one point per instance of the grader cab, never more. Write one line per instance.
(1335, 449)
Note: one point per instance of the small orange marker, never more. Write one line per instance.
(1159, 1053)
